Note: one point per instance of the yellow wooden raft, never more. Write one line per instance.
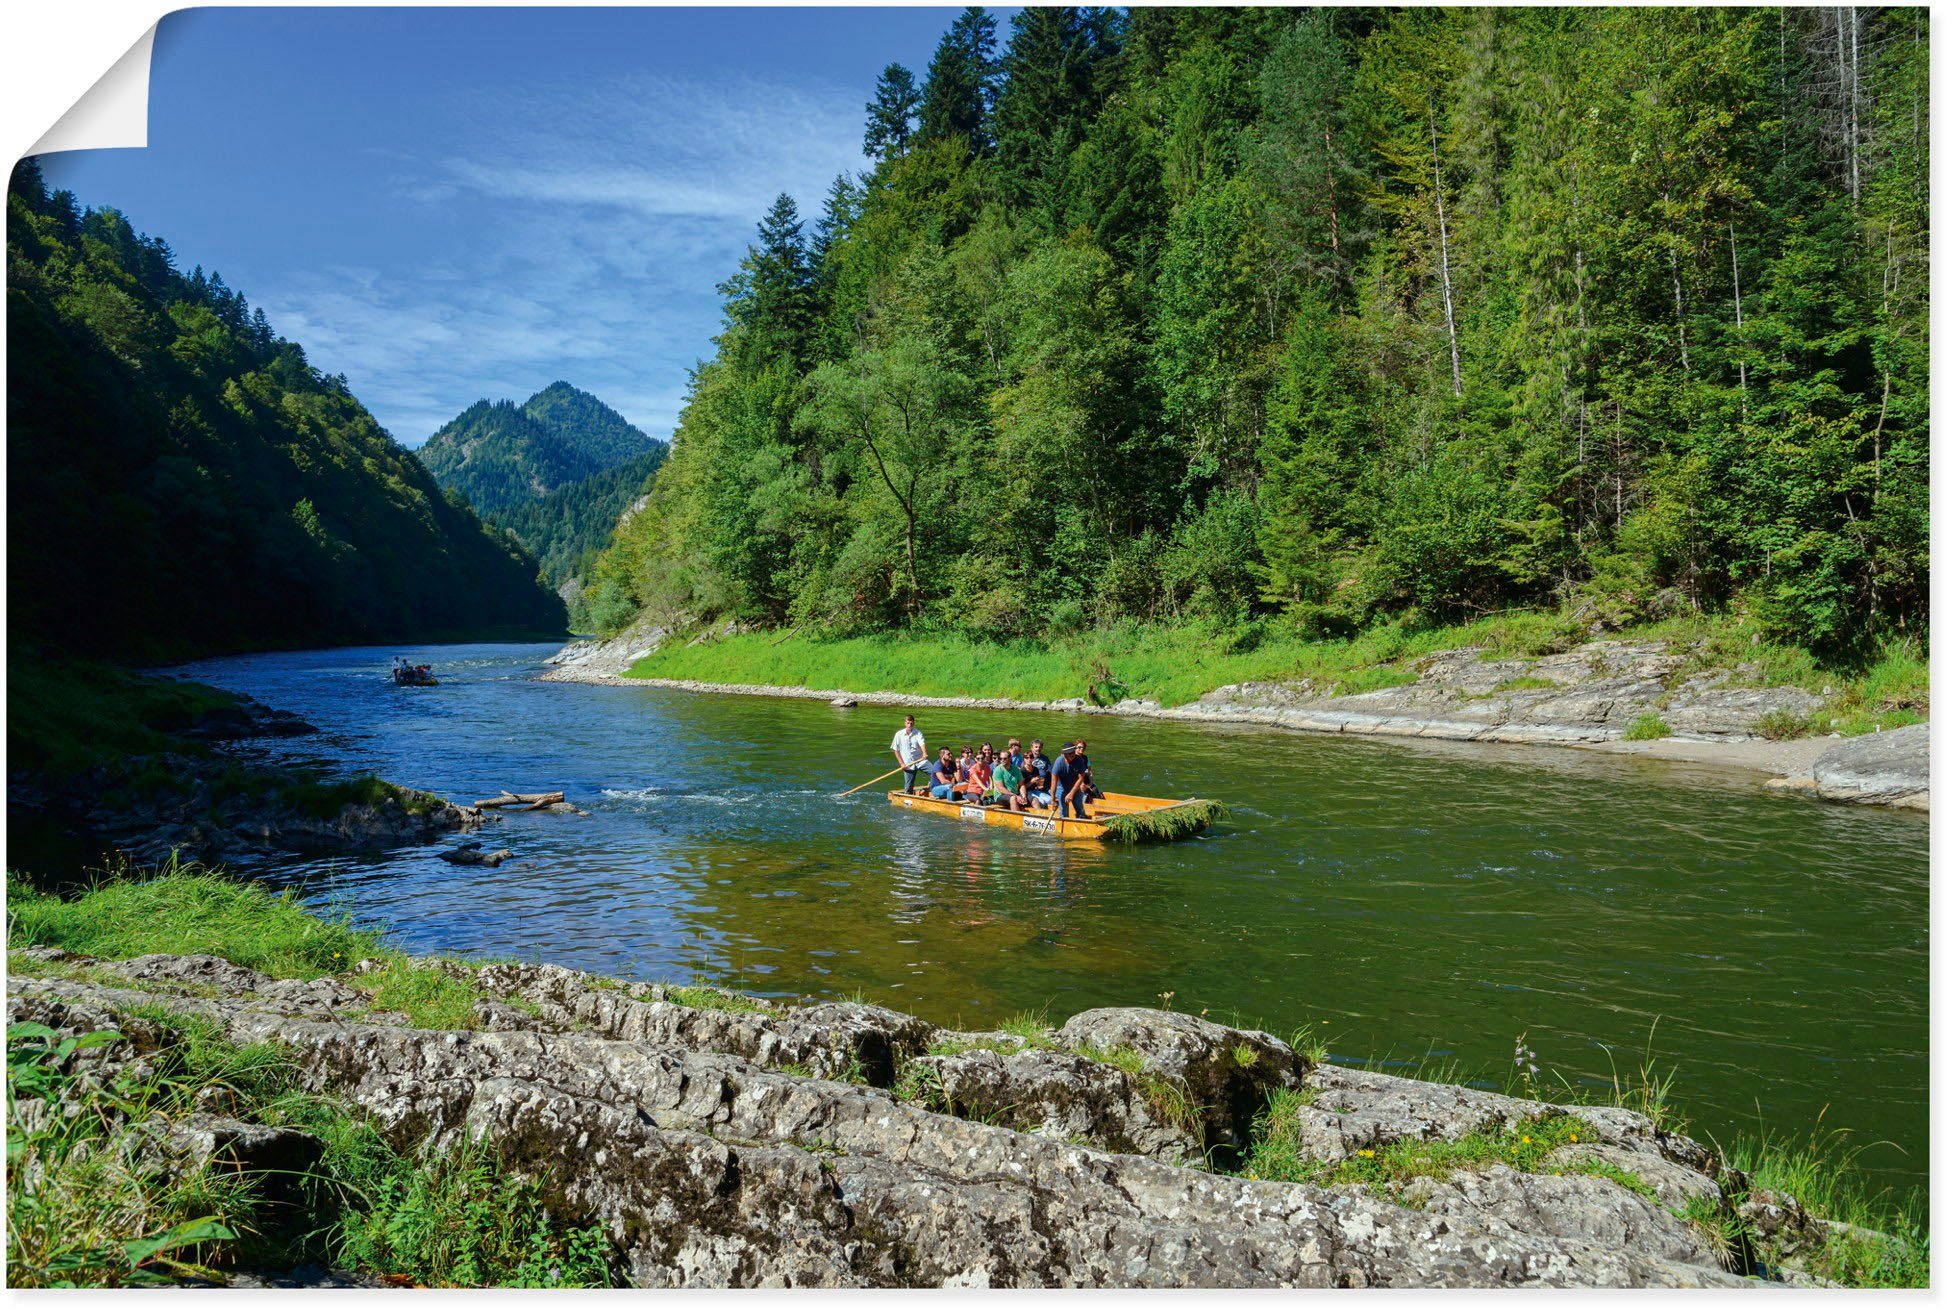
(1110, 805)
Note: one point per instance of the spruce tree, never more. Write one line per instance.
(961, 87)
(1050, 95)
(891, 114)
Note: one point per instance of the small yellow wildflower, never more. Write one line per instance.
(1366, 1152)
(1575, 1138)
(1524, 1138)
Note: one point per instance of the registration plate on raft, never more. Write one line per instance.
(972, 813)
(1034, 826)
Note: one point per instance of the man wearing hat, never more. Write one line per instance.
(1071, 780)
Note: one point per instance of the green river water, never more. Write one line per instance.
(1409, 901)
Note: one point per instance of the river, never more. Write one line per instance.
(1416, 903)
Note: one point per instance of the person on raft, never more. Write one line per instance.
(942, 777)
(1037, 774)
(975, 776)
(911, 753)
(1006, 784)
(1071, 781)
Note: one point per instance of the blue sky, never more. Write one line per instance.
(447, 204)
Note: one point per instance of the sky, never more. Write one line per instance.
(452, 204)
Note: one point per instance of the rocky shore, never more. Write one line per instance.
(199, 803)
(723, 1141)
(1589, 697)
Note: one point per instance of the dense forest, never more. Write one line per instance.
(567, 527)
(183, 481)
(498, 454)
(1326, 317)
(557, 470)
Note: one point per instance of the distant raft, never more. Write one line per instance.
(1115, 817)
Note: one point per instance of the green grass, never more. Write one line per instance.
(1033, 1027)
(1647, 728)
(84, 1210)
(710, 999)
(1782, 724)
(324, 798)
(1524, 683)
(1168, 665)
(1276, 1153)
(431, 998)
(187, 909)
(183, 909)
(1820, 1172)
(65, 716)
(1165, 1098)
(1174, 665)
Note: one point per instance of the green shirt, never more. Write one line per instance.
(1006, 780)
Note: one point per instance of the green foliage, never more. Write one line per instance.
(710, 999)
(1778, 725)
(1336, 317)
(500, 456)
(185, 481)
(1646, 728)
(185, 908)
(567, 526)
(461, 1219)
(1165, 1098)
(64, 716)
(1164, 824)
(1883, 1240)
(87, 1207)
(557, 471)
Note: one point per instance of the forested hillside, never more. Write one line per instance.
(567, 527)
(183, 481)
(500, 455)
(1326, 317)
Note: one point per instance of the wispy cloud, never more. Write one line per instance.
(580, 232)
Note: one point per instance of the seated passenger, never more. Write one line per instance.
(1090, 785)
(980, 771)
(1068, 783)
(964, 761)
(942, 778)
(1006, 785)
(1037, 774)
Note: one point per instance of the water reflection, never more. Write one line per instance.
(1416, 897)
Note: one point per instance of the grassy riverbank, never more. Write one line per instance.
(78, 1216)
(1177, 665)
(83, 1216)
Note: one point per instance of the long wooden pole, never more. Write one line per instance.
(877, 779)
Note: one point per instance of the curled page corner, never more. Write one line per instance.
(113, 113)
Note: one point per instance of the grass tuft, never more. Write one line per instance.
(184, 908)
(704, 998)
(1647, 728)
(87, 1206)
(1883, 1240)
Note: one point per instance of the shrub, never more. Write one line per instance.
(1783, 723)
(1647, 728)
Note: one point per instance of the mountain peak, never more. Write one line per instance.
(500, 455)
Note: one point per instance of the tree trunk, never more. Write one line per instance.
(1443, 252)
(914, 581)
(1741, 353)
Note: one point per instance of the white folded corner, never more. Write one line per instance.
(112, 114)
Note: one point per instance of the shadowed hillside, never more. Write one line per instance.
(184, 481)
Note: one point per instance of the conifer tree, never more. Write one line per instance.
(961, 86)
(891, 114)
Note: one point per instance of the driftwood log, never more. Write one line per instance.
(523, 801)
